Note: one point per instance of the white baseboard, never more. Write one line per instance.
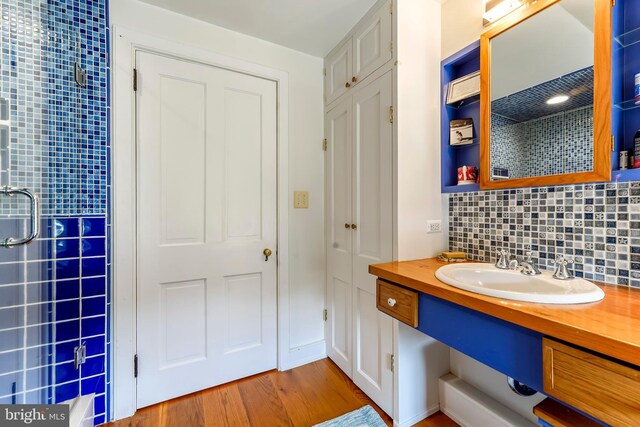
(416, 418)
(303, 355)
(470, 407)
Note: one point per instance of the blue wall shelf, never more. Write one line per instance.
(461, 188)
(458, 65)
(625, 175)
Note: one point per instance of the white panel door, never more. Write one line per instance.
(372, 43)
(206, 211)
(339, 131)
(372, 239)
(338, 72)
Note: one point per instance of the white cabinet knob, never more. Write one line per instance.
(391, 302)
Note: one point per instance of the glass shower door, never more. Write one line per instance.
(54, 146)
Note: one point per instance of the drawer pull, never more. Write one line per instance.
(398, 302)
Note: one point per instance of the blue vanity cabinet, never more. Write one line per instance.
(571, 375)
(508, 348)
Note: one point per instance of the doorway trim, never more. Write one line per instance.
(125, 43)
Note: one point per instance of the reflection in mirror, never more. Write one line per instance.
(542, 94)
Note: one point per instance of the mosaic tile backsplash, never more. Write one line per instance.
(550, 145)
(54, 139)
(596, 224)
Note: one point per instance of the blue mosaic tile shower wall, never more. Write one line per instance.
(54, 139)
(596, 224)
(532, 148)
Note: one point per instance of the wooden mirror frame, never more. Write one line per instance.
(602, 138)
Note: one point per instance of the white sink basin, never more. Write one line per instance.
(488, 280)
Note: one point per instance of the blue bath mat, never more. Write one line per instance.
(363, 417)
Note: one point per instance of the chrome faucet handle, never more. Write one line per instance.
(562, 272)
(529, 268)
(503, 259)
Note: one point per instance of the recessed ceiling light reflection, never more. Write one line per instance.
(557, 99)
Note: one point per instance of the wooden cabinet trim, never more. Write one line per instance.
(602, 388)
(559, 415)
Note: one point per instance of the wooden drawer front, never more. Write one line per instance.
(607, 390)
(398, 302)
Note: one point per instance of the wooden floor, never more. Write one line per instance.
(302, 397)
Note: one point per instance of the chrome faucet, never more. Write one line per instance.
(506, 263)
(503, 259)
(528, 266)
(562, 272)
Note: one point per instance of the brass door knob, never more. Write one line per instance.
(354, 79)
(347, 84)
(353, 226)
(347, 226)
(267, 253)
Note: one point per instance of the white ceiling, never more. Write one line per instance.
(311, 26)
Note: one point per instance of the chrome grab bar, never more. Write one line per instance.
(11, 242)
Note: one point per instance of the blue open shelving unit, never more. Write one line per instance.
(459, 65)
(625, 115)
(626, 64)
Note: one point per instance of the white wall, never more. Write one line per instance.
(494, 384)
(421, 359)
(420, 362)
(418, 115)
(461, 26)
(306, 160)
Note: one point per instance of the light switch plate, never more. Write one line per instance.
(301, 199)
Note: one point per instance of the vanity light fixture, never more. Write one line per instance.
(559, 99)
(496, 9)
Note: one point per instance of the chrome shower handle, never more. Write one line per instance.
(11, 242)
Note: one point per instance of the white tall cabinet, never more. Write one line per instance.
(359, 204)
(382, 135)
(359, 232)
(368, 47)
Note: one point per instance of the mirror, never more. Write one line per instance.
(546, 95)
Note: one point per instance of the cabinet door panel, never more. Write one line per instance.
(372, 240)
(373, 346)
(372, 43)
(372, 179)
(339, 130)
(338, 69)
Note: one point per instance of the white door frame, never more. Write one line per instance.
(124, 44)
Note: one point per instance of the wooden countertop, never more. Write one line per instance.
(610, 326)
